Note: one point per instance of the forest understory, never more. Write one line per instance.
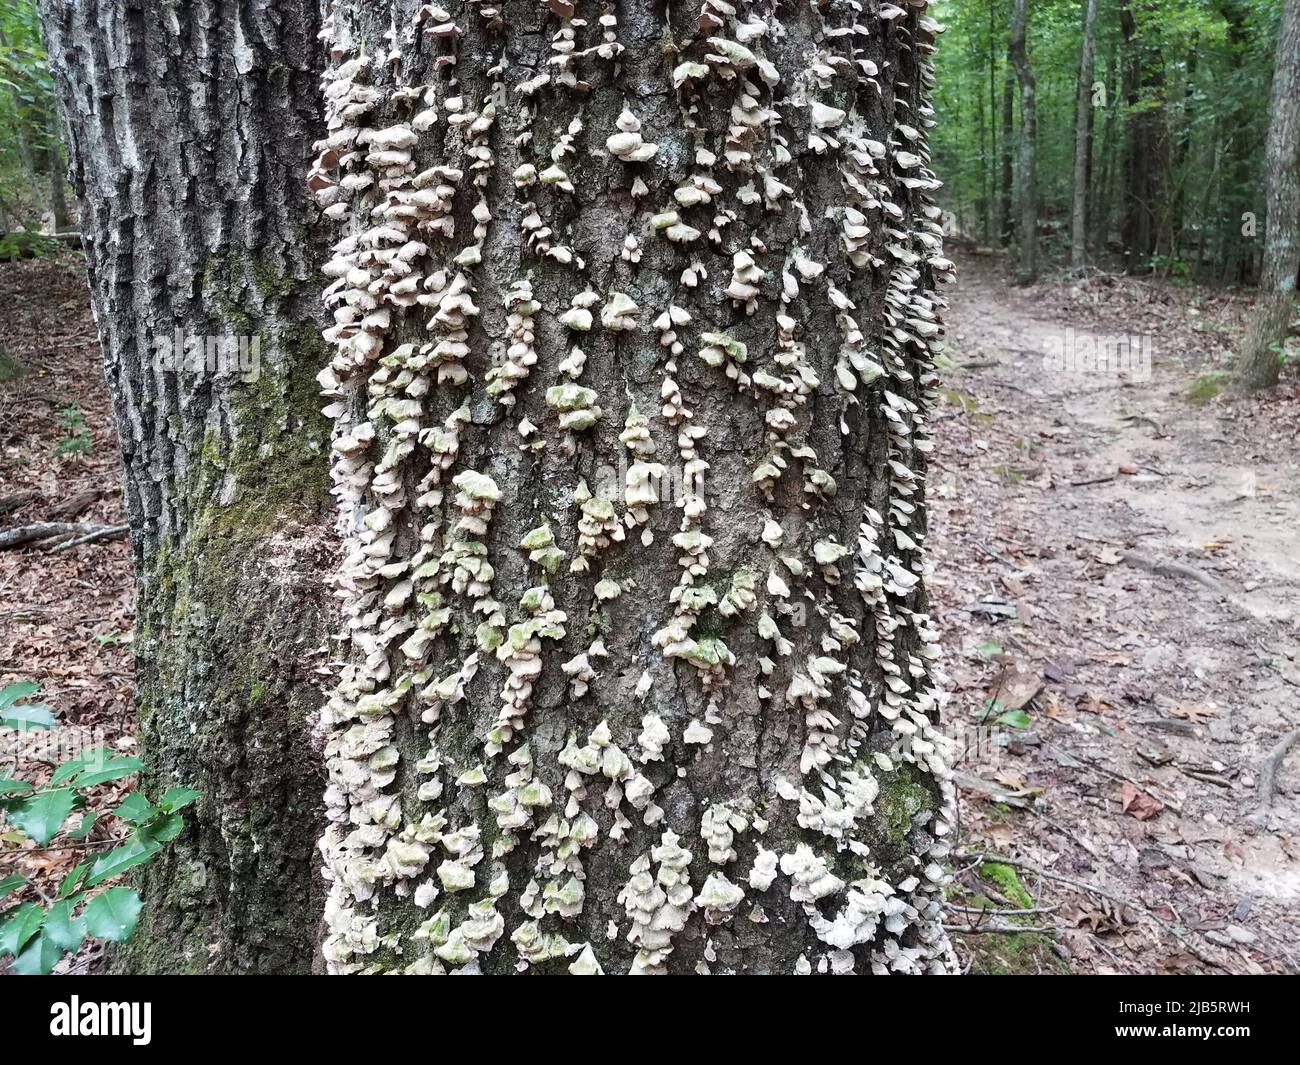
(1116, 584)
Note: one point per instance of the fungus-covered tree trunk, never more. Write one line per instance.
(189, 129)
(633, 362)
(630, 365)
(1027, 263)
(1275, 310)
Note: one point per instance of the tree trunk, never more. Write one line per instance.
(640, 487)
(1027, 266)
(1006, 227)
(1148, 147)
(1083, 140)
(630, 369)
(1258, 365)
(189, 131)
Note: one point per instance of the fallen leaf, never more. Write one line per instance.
(1137, 803)
(1014, 687)
(1197, 714)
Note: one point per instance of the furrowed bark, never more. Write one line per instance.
(189, 130)
(1259, 364)
(580, 725)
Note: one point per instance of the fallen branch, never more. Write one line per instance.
(14, 502)
(1094, 890)
(57, 530)
(1164, 568)
(996, 929)
(104, 532)
(1269, 766)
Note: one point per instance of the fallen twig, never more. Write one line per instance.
(1164, 568)
(982, 911)
(106, 532)
(996, 929)
(1083, 885)
(1270, 765)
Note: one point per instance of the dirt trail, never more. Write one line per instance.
(1055, 492)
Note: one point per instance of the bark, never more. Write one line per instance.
(630, 367)
(1027, 265)
(1006, 227)
(1259, 364)
(1147, 157)
(1083, 140)
(579, 727)
(188, 129)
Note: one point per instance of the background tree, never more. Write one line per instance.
(32, 177)
(1083, 140)
(1259, 361)
(629, 367)
(1027, 264)
(1186, 96)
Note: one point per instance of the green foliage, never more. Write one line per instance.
(31, 157)
(76, 439)
(36, 934)
(1198, 69)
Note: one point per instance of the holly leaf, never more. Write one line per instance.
(177, 799)
(11, 883)
(113, 915)
(136, 809)
(69, 883)
(13, 786)
(24, 922)
(136, 851)
(19, 689)
(43, 814)
(27, 718)
(39, 958)
(62, 929)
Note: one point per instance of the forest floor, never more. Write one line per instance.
(1137, 707)
(1140, 699)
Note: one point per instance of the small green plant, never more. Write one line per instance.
(36, 934)
(993, 710)
(10, 368)
(76, 439)
(27, 244)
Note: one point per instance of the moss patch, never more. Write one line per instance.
(1207, 386)
(10, 368)
(1008, 954)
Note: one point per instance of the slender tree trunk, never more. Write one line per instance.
(1027, 267)
(1103, 200)
(1145, 206)
(1083, 140)
(189, 132)
(1006, 228)
(630, 363)
(1258, 365)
